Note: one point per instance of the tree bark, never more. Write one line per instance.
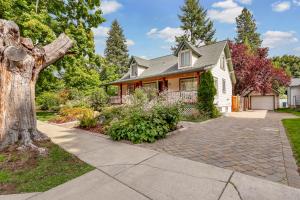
(20, 64)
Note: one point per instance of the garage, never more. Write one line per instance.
(262, 102)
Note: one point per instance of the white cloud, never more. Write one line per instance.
(225, 11)
(130, 42)
(166, 47)
(100, 31)
(108, 7)
(245, 1)
(281, 6)
(297, 2)
(274, 39)
(144, 57)
(168, 34)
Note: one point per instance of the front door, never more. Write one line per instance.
(162, 85)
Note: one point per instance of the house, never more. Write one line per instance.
(293, 93)
(179, 73)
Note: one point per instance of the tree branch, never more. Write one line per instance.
(57, 49)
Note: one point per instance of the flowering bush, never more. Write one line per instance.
(140, 125)
(71, 114)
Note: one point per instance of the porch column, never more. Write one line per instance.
(165, 84)
(121, 92)
(198, 79)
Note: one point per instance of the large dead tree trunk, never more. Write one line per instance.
(20, 64)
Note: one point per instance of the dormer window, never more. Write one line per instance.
(134, 70)
(185, 58)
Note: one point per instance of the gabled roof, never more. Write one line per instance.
(295, 82)
(140, 61)
(168, 65)
(189, 45)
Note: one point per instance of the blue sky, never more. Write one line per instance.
(150, 26)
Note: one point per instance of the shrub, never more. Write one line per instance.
(108, 114)
(71, 114)
(139, 97)
(77, 112)
(77, 98)
(48, 101)
(98, 99)
(206, 95)
(140, 126)
(87, 121)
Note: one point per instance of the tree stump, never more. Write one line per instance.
(20, 65)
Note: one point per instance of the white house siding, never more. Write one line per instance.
(223, 101)
(140, 70)
(194, 59)
(293, 91)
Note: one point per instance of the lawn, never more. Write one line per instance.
(45, 116)
(29, 172)
(289, 110)
(292, 127)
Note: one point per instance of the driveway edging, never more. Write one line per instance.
(291, 168)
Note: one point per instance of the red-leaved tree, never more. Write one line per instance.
(254, 71)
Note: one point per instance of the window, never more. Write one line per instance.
(130, 89)
(188, 84)
(150, 86)
(224, 86)
(223, 63)
(216, 84)
(185, 59)
(134, 70)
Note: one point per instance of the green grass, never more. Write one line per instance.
(289, 110)
(29, 172)
(292, 127)
(191, 118)
(45, 116)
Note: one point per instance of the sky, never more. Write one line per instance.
(150, 26)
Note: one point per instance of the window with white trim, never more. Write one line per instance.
(223, 63)
(216, 85)
(134, 70)
(185, 59)
(224, 86)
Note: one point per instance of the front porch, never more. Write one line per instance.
(181, 87)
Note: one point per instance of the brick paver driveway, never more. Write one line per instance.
(248, 142)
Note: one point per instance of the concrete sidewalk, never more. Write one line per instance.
(127, 172)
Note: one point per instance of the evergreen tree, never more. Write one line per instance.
(116, 51)
(197, 27)
(206, 95)
(247, 30)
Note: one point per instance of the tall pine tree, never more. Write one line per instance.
(197, 27)
(247, 30)
(116, 51)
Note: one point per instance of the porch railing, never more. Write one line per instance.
(172, 97)
(117, 99)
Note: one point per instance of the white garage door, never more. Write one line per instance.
(262, 102)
